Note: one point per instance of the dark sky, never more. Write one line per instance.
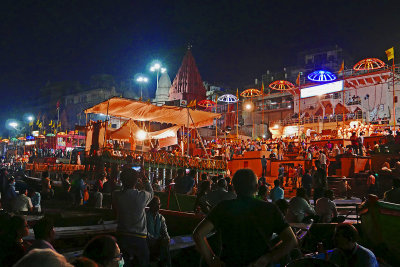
(233, 41)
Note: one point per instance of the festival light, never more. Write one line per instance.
(282, 85)
(30, 118)
(141, 135)
(369, 64)
(321, 76)
(13, 124)
(248, 106)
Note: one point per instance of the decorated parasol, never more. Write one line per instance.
(321, 76)
(5, 140)
(228, 98)
(207, 103)
(41, 136)
(369, 64)
(282, 85)
(21, 138)
(14, 139)
(50, 134)
(251, 93)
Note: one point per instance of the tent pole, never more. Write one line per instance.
(188, 132)
(105, 133)
(199, 137)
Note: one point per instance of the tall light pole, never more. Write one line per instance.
(141, 80)
(157, 67)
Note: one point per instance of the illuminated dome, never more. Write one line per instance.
(251, 93)
(321, 76)
(281, 85)
(207, 103)
(228, 98)
(369, 64)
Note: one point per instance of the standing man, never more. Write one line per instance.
(361, 144)
(245, 233)
(129, 206)
(264, 166)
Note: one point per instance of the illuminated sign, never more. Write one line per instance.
(323, 89)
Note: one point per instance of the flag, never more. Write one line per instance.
(390, 53)
(37, 122)
(51, 123)
(40, 125)
(262, 87)
(44, 132)
(237, 93)
(192, 104)
(58, 104)
(341, 67)
(31, 123)
(298, 79)
(59, 124)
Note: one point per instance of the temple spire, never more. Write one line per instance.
(188, 84)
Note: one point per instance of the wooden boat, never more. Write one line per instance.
(380, 224)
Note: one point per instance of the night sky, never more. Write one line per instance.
(233, 41)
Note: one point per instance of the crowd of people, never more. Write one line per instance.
(236, 208)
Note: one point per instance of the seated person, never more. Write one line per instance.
(282, 205)
(299, 207)
(347, 252)
(44, 234)
(104, 250)
(277, 192)
(35, 198)
(22, 203)
(393, 195)
(219, 194)
(326, 208)
(157, 233)
(43, 258)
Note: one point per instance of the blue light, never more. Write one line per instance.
(321, 76)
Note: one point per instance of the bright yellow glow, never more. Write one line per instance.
(141, 135)
(276, 126)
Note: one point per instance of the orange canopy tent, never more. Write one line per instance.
(143, 111)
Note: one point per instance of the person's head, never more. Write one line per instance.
(43, 258)
(396, 182)
(18, 227)
(104, 250)
(23, 191)
(44, 229)
(222, 183)
(180, 172)
(329, 194)
(276, 183)
(345, 236)
(204, 187)
(262, 190)
(154, 204)
(245, 182)
(282, 205)
(84, 262)
(129, 178)
(301, 192)
(263, 156)
(45, 174)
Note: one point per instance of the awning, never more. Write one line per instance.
(130, 128)
(142, 111)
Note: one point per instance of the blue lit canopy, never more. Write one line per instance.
(321, 76)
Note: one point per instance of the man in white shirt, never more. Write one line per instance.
(326, 208)
(129, 205)
(322, 159)
(22, 203)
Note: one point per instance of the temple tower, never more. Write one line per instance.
(188, 84)
(162, 92)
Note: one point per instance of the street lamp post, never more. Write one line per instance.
(141, 80)
(157, 67)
